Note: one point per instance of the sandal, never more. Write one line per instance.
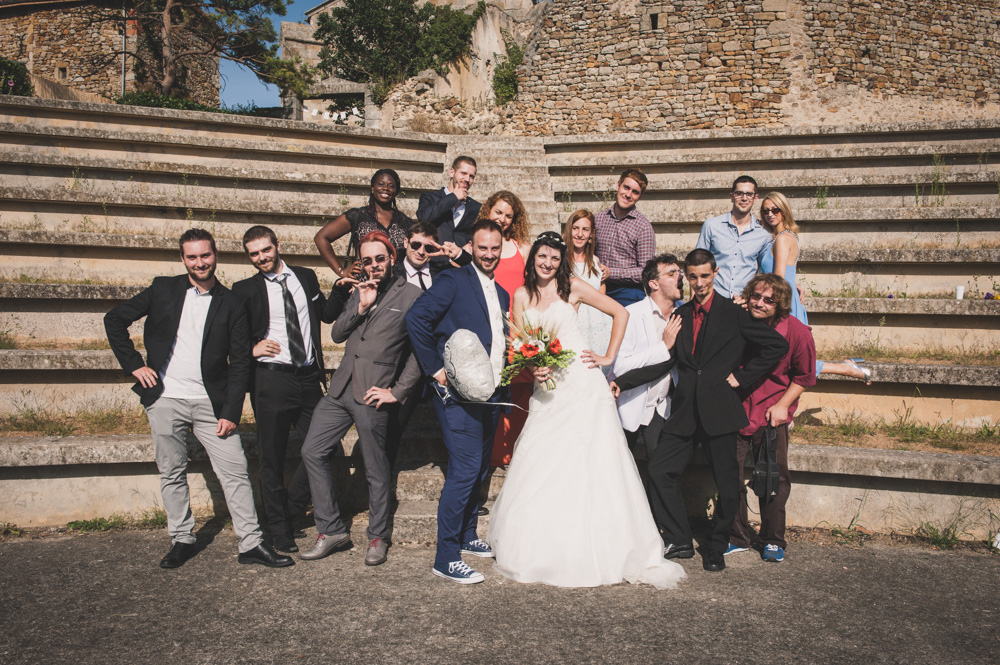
(866, 372)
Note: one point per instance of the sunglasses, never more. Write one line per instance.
(416, 245)
(381, 258)
(767, 301)
(744, 195)
(773, 211)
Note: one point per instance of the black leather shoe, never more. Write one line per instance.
(672, 551)
(298, 533)
(264, 554)
(178, 554)
(285, 544)
(483, 510)
(714, 561)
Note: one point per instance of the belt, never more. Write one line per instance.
(289, 369)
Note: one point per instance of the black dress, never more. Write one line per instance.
(364, 222)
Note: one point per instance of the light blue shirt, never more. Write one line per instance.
(736, 254)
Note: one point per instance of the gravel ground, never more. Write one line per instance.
(101, 598)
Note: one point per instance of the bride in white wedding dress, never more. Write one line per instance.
(572, 511)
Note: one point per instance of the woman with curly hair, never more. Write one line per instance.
(381, 214)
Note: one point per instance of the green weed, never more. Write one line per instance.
(9, 529)
(821, 196)
(945, 537)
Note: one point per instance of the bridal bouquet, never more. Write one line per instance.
(533, 346)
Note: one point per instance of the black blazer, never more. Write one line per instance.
(225, 348)
(253, 292)
(702, 395)
(436, 207)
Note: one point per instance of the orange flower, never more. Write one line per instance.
(555, 346)
(529, 350)
(510, 355)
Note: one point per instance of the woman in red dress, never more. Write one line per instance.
(506, 209)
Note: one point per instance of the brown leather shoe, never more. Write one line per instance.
(326, 545)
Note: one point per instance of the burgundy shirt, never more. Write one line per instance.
(701, 311)
(624, 245)
(797, 366)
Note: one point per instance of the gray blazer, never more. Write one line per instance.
(378, 351)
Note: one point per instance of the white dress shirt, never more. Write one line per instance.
(412, 273)
(276, 328)
(458, 211)
(499, 344)
(642, 346)
(181, 376)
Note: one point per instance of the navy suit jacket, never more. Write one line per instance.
(436, 207)
(455, 301)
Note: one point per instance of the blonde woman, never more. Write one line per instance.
(782, 258)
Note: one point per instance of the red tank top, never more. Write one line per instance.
(509, 273)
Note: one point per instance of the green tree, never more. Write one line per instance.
(174, 33)
(384, 42)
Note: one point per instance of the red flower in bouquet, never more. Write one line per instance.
(555, 346)
(529, 350)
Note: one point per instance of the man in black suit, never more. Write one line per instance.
(198, 363)
(451, 209)
(706, 408)
(285, 307)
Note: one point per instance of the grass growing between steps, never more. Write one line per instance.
(877, 352)
(96, 420)
(902, 433)
(154, 518)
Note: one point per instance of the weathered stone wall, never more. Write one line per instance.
(641, 65)
(61, 42)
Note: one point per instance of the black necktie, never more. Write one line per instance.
(420, 278)
(295, 344)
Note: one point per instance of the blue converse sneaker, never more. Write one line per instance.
(773, 553)
(458, 571)
(733, 549)
(477, 547)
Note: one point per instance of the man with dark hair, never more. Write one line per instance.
(451, 209)
(466, 298)
(378, 370)
(195, 375)
(649, 339)
(705, 408)
(625, 239)
(284, 307)
(771, 403)
(736, 239)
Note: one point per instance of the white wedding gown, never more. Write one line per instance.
(572, 511)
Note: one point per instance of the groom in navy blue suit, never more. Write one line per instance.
(466, 298)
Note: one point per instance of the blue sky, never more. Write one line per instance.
(240, 86)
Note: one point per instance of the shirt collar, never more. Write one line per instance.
(273, 276)
(707, 305)
(483, 277)
(412, 270)
(754, 222)
(631, 213)
(654, 308)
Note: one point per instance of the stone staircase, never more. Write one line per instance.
(93, 197)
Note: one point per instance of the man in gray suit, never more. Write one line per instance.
(378, 369)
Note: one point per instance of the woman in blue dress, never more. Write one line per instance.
(782, 259)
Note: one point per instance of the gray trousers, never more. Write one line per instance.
(331, 420)
(169, 420)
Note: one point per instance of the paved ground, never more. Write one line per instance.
(100, 598)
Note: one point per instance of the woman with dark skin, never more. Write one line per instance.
(380, 214)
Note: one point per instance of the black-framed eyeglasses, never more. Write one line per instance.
(773, 211)
(368, 260)
(767, 301)
(744, 195)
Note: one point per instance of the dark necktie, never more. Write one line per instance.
(699, 317)
(295, 344)
(420, 278)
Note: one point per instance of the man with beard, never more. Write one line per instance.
(378, 370)
(736, 239)
(772, 403)
(450, 208)
(465, 298)
(195, 375)
(284, 307)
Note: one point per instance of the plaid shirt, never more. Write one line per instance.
(624, 245)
